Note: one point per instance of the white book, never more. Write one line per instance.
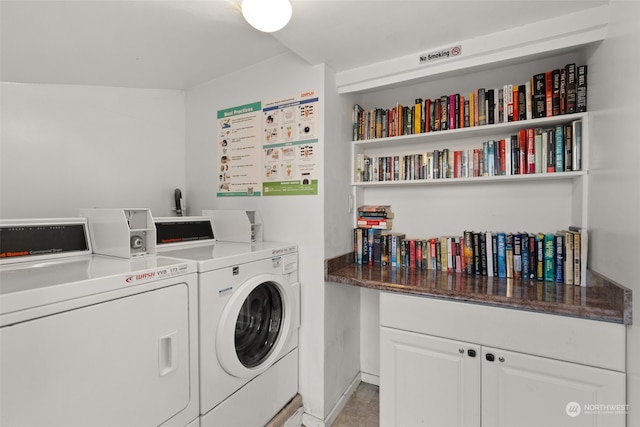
(465, 164)
(538, 151)
(577, 145)
(489, 245)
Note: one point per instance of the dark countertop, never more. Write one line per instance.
(601, 299)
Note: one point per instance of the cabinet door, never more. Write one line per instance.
(523, 390)
(428, 381)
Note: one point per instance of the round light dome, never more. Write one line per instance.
(267, 15)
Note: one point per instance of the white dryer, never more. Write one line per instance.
(93, 340)
(249, 312)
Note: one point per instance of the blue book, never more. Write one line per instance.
(491, 158)
(502, 254)
(559, 258)
(559, 154)
(526, 266)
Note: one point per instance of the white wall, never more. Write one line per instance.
(298, 219)
(68, 147)
(342, 303)
(614, 209)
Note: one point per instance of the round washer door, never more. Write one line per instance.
(254, 326)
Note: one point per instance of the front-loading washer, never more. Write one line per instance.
(249, 309)
(94, 340)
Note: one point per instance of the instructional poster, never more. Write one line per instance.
(239, 150)
(269, 149)
(290, 146)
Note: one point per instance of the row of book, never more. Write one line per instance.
(559, 257)
(551, 93)
(531, 150)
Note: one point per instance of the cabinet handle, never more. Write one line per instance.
(471, 352)
(490, 357)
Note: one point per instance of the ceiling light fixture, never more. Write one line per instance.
(267, 15)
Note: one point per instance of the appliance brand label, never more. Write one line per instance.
(282, 251)
(161, 273)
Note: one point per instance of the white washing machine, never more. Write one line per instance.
(249, 319)
(91, 340)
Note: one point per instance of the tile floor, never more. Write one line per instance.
(362, 409)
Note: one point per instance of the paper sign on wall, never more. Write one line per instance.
(239, 150)
(290, 146)
(270, 150)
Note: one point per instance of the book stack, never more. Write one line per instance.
(530, 150)
(559, 257)
(546, 94)
(375, 216)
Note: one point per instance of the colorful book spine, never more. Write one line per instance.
(509, 254)
(526, 265)
(517, 256)
(560, 259)
(559, 148)
(502, 254)
(581, 89)
(540, 265)
(549, 258)
(571, 88)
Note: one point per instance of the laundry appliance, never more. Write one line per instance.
(95, 340)
(249, 313)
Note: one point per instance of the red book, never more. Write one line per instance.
(427, 115)
(461, 111)
(457, 164)
(452, 111)
(476, 162)
(522, 151)
(531, 151)
(548, 85)
(434, 253)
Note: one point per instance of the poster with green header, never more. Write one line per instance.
(239, 151)
(290, 146)
(269, 149)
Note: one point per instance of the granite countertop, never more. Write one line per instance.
(601, 299)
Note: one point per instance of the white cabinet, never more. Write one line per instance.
(528, 391)
(427, 380)
(446, 363)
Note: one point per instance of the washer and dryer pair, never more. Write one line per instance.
(199, 333)
(249, 311)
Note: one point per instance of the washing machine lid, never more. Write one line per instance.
(180, 231)
(224, 254)
(37, 283)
